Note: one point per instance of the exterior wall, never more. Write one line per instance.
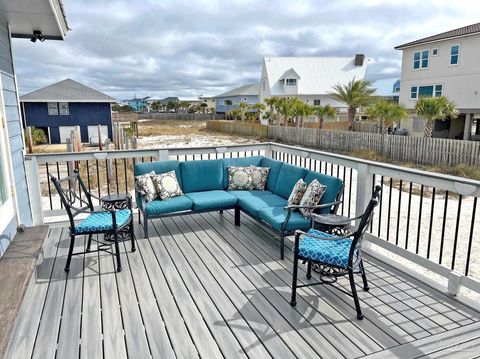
(460, 82)
(80, 114)
(138, 105)
(15, 138)
(220, 102)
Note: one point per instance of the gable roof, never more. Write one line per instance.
(461, 31)
(246, 90)
(66, 91)
(317, 74)
(290, 73)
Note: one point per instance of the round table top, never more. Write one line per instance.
(114, 197)
(332, 219)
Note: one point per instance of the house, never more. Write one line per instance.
(37, 21)
(210, 101)
(247, 94)
(58, 108)
(388, 89)
(138, 104)
(309, 78)
(444, 64)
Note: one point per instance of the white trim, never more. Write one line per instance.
(66, 100)
(62, 25)
(450, 56)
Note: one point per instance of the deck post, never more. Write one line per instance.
(455, 280)
(163, 155)
(34, 189)
(268, 150)
(364, 188)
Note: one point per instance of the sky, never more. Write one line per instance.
(183, 48)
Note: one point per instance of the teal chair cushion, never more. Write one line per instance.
(334, 186)
(255, 203)
(288, 176)
(275, 167)
(158, 167)
(216, 199)
(329, 250)
(240, 194)
(275, 216)
(239, 162)
(103, 221)
(204, 175)
(175, 204)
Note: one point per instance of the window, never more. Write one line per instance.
(396, 89)
(438, 90)
(454, 51)
(63, 107)
(291, 82)
(52, 109)
(413, 92)
(316, 102)
(416, 60)
(424, 59)
(282, 81)
(434, 52)
(420, 59)
(425, 91)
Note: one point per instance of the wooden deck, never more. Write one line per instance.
(202, 287)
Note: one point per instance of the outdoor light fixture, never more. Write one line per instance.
(37, 35)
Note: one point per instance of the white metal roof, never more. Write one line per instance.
(317, 74)
(246, 90)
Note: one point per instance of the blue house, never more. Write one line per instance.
(247, 93)
(19, 20)
(138, 104)
(59, 108)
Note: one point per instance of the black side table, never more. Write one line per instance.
(117, 202)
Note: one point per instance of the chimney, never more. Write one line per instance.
(359, 58)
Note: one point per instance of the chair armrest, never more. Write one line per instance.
(139, 189)
(318, 206)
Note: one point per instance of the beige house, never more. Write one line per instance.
(444, 64)
(210, 101)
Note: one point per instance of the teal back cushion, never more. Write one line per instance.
(275, 167)
(239, 162)
(288, 176)
(334, 186)
(202, 175)
(158, 167)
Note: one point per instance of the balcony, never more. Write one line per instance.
(200, 286)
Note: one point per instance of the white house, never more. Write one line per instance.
(444, 64)
(309, 78)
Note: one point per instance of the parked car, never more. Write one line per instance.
(401, 132)
(95, 142)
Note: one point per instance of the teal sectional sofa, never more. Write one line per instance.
(205, 182)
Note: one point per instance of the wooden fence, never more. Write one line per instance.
(239, 128)
(180, 116)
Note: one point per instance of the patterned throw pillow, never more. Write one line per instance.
(146, 184)
(239, 178)
(312, 197)
(259, 177)
(297, 192)
(167, 185)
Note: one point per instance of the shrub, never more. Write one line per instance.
(38, 136)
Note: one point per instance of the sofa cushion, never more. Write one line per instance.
(238, 162)
(175, 204)
(334, 184)
(275, 216)
(275, 167)
(216, 199)
(158, 167)
(249, 194)
(253, 204)
(202, 175)
(287, 177)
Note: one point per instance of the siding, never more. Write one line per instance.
(80, 114)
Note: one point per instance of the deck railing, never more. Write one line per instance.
(430, 219)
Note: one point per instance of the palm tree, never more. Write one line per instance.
(258, 108)
(324, 111)
(387, 112)
(228, 103)
(285, 108)
(243, 107)
(355, 94)
(204, 106)
(435, 108)
(273, 103)
(300, 110)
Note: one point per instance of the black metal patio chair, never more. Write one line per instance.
(333, 256)
(97, 222)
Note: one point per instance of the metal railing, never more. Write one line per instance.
(428, 218)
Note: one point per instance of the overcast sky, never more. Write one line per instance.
(189, 48)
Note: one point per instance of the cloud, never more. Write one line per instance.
(188, 48)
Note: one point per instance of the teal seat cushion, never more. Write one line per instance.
(334, 186)
(216, 199)
(287, 177)
(330, 251)
(158, 167)
(202, 175)
(249, 194)
(255, 203)
(275, 216)
(175, 204)
(103, 221)
(275, 167)
(239, 162)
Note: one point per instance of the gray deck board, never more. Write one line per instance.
(202, 287)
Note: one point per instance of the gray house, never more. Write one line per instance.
(38, 21)
(247, 93)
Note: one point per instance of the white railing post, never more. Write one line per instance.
(364, 188)
(163, 155)
(268, 150)
(454, 282)
(34, 189)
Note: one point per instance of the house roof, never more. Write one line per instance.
(66, 91)
(384, 87)
(461, 31)
(317, 74)
(246, 90)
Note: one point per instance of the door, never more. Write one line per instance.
(65, 132)
(93, 131)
